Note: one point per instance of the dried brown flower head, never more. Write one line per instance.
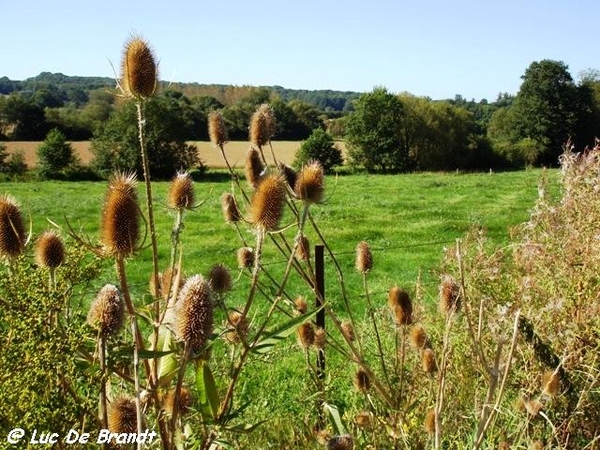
(303, 249)
(184, 402)
(122, 417)
(266, 207)
(237, 326)
(245, 257)
(401, 306)
(194, 313)
(12, 230)
(139, 71)
(550, 383)
(363, 420)
(290, 175)
(262, 125)
(107, 310)
(449, 298)
(342, 442)
(49, 250)
(364, 258)
(428, 361)
(181, 193)
(310, 183)
(429, 422)
(231, 213)
(300, 305)
(362, 381)
(320, 338)
(254, 168)
(418, 337)
(120, 216)
(306, 335)
(348, 330)
(216, 128)
(220, 279)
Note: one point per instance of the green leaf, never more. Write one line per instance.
(208, 396)
(334, 414)
(151, 354)
(273, 337)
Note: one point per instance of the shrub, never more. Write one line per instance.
(319, 147)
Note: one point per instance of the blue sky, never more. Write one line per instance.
(432, 48)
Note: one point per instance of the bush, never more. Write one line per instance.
(319, 147)
(55, 154)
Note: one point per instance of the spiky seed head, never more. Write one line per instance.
(107, 310)
(342, 442)
(254, 168)
(12, 230)
(399, 302)
(550, 383)
(122, 417)
(245, 257)
(262, 125)
(266, 207)
(220, 279)
(449, 298)
(300, 305)
(418, 337)
(231, 213)
(49, 250)
(120, 216)
(216, 128)
(181, 192)
(306, 335)
(364, 258)
(533, 406)
(184, 401)
(139, 71)
(363, 420)
(194, 313)
(290, 175)
(428, 361)
(362, 381)
(310, 184)
(320, 338)
(238, 327)
(429, 422)
(303, 249)
(348, 330)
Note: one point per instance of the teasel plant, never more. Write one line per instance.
(13, 237)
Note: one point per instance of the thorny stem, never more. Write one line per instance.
(176, 396)
(375, 329)
(136, 378)
(439, 402)
(102, 355)
(294, 249)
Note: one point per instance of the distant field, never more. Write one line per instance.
(236, 150)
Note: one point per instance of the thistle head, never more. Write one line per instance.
(306, 335)
(194, 313)
(362, 381)
(290, 175)
(254, 168)
(139, 70)
(220, 279)
(183, 405)
(303, 249)
(181, 191)
(120, 216)
(216, 128)
(122, 416)
(348, 330)
(12, 230)
(107, 310)
(429, 422)
(449, 297)
(262, 125)
(418, 337)
(401, 306)
(231, 212)
(310, 183)
(428, 361)
(245, 257)
(341, 442)
(49, 250)
(550, 383)
(300, 305)
(364, 258)
(266, 207)
(238, 327)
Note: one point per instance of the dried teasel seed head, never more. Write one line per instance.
(348, 330)
(139, 71)
(310, 184)
(362, 381)
(306, 335)
(49, 250)
(231, 213)
(429, 422)
(194, 313)
(216, 128)
(428, 361)
(300, 305)
(342, 442)
(120, 216)
(245, 257)
(184, 401)
(303, 249)
(254, 168)
(320, 338)
(449, 298)
(107, 310)
(533, 406)
(181, 193)
(550, 383)
(122, 417)
(363, 420)
(364, 258)
(220, 279)
(262, 125)
(418, 337)
(266, 207)
(401, 306)
(289, 174)
(12, 230)
(238, 327)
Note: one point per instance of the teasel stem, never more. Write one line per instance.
(180, 376)
(375, 329)
(104, 374)
(136, 378)
(439, 402)
(273, 153)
